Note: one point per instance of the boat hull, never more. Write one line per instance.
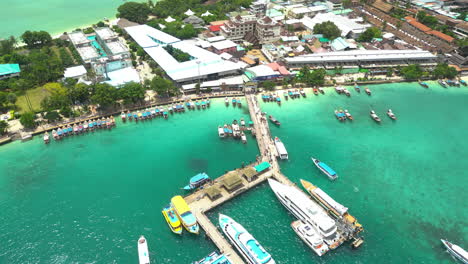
(318, 165)
(174, 221)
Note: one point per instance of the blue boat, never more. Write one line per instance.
(325, 169)
(450, 82)
(197, 181)
(340, 115)
(214, 258)
(423, 84)
(244, 242)
(129, 115)
(463, 82)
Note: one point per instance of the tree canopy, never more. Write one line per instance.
(426, 19)
(133, 11)
(412, 72)
(370, 34)
(104, 94)
(442, 70)
(3, 127)
(28, 120)
(269, 85)
(36, 39)
(312, 78)
(328, 29)
(179, 55)
(163, 86)
(132, 92)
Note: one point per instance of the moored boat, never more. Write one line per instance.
(348, 115)
(346, 91)
(274, 121)
(339, 89)
(463, 82)
(239, 102)
(368, 91)
(143, 253)
(221, 133)
(331, 174)
(282, 152)
(310, 236)
(357, 88)
(123, 116)
(243, 137)
(185, 215)
(442, 83)
(55, 134)
(375, 116)
(242, 122)
(214, 258)
(302, 92)
(285, 94)
(197, 181)
(244, 242)
(391, 114)
(234, 101)
(340, 115)
(172, 219)
(321, 90)
(46, 138)
(316, 91)
(423, 84)
(456, 251)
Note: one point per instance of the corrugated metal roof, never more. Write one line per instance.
(9, 69)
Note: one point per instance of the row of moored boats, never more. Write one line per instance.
(80, 128)
(343, 115)
(236, 130)
(235, 101)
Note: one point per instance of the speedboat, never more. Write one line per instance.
(357, 88)
(143, 253)
(274, 121)
(456, 251)
(214, 258)
(321, 90)
(310, 236)
(375, 116)
(189, 221)
(391, 114)
(283, 154)
(244, 242)
(348, 115)
(172, 219)
(442, 83)
(243, 137)
(197, 181)
(46, 138)
(368, 91)
(325, 169)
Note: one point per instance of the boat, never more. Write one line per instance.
(129, 116)
(278, 100)
(310, 236)
(172, 220)
(321, 90)
(290, 93)
(309, 212)
(143, 253)
(185, 215)
(442, 83)
(345, 91)
(283, 154)
(463, 82)
(46, 138)
(208, 102)
(55, 134)
(303, 94)
(339, 89)
(450, 83)
(221, 133)
(274, 121)
(325, 169)
(214, 258)
(340, 115)
(234, 101)
(375, 116)
(315, 90)
(391, 114)
(368, 91)
(285, 95)
(243, 137)
(423, 84)
(244, 242)
(242, 122)
(456, 83)
(197, 181)
(357, 88)
(348, 115)
(197, 103)
(123, 116)
(239, 103)
(75, 129)
(456, 251)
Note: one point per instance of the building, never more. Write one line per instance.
(427, 30)
(334, 5)
(203, 65)
(251, 29)
(224, 46)
(75, 72)
(259, 7)
(363, 58)
(103, 52)
(237, 27)
(9, 71)
(270, 71)
(299, 11)
(350, 28)
(195, 21)
(267, 30)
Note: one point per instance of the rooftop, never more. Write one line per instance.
(345, 24)
(105, 33)
(9, 69)
(76, 71)
(224, 44)
(78, 37)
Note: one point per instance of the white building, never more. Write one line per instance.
(300, 11)
(350, 28)
(251, 28)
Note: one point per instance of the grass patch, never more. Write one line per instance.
(36, 95)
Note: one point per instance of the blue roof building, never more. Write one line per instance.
(339, 44)
(9, 70)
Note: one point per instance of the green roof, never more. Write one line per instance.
(9, 69)
(262, 166)
(343, 11)
(324, 40)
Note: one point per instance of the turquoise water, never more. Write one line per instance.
(54, 16)
(88, 198)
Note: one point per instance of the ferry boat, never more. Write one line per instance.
(423, 84)
(185, 215)
(283, 154)
(391, 114)
(172, 219)
(221, 133)
(442, 83)
(368, 91)
(244, 242)
(214, 258)
(456, 251)
(243, 137)
(46, 138)
(143, 253)
(375, 116)
(357, 88)
(274, 121)
(325, 169)
(197, 181)
(340, 115)
(308, 211)
(348, 115)
(315, 90)
(310, 236)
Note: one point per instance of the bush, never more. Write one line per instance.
(28, 120)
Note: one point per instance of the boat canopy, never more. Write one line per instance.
(179, 204)
(262, 166)
(328, 169)
(199, 177)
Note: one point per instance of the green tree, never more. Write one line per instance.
(328, 29)
(412, 72)
(104, 95)
(370, 34)
(132, 92)
(442, 70)
(133, 11)
(197, 88)
(3, 127)
(11, 98)
(462, 15)
(28, 120)
(36, 39)
(52, 116)
(7, 45)
(269, 85)
(390, 72)
(79, 93)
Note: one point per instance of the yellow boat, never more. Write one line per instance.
(172, 219)
(185, 215)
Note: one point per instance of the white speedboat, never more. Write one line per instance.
(308, 234)
(303, 208)
(456, 251)
(375, 116)
(143, 253)
(391, 114)
(244, 242)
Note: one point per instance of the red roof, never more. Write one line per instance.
(274, 66)
(441, 35)
(215, 28)
(283, 70)
(416, 24)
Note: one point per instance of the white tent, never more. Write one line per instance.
(161, 26)
(189, 12)
(169, 19)
(207, 13)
